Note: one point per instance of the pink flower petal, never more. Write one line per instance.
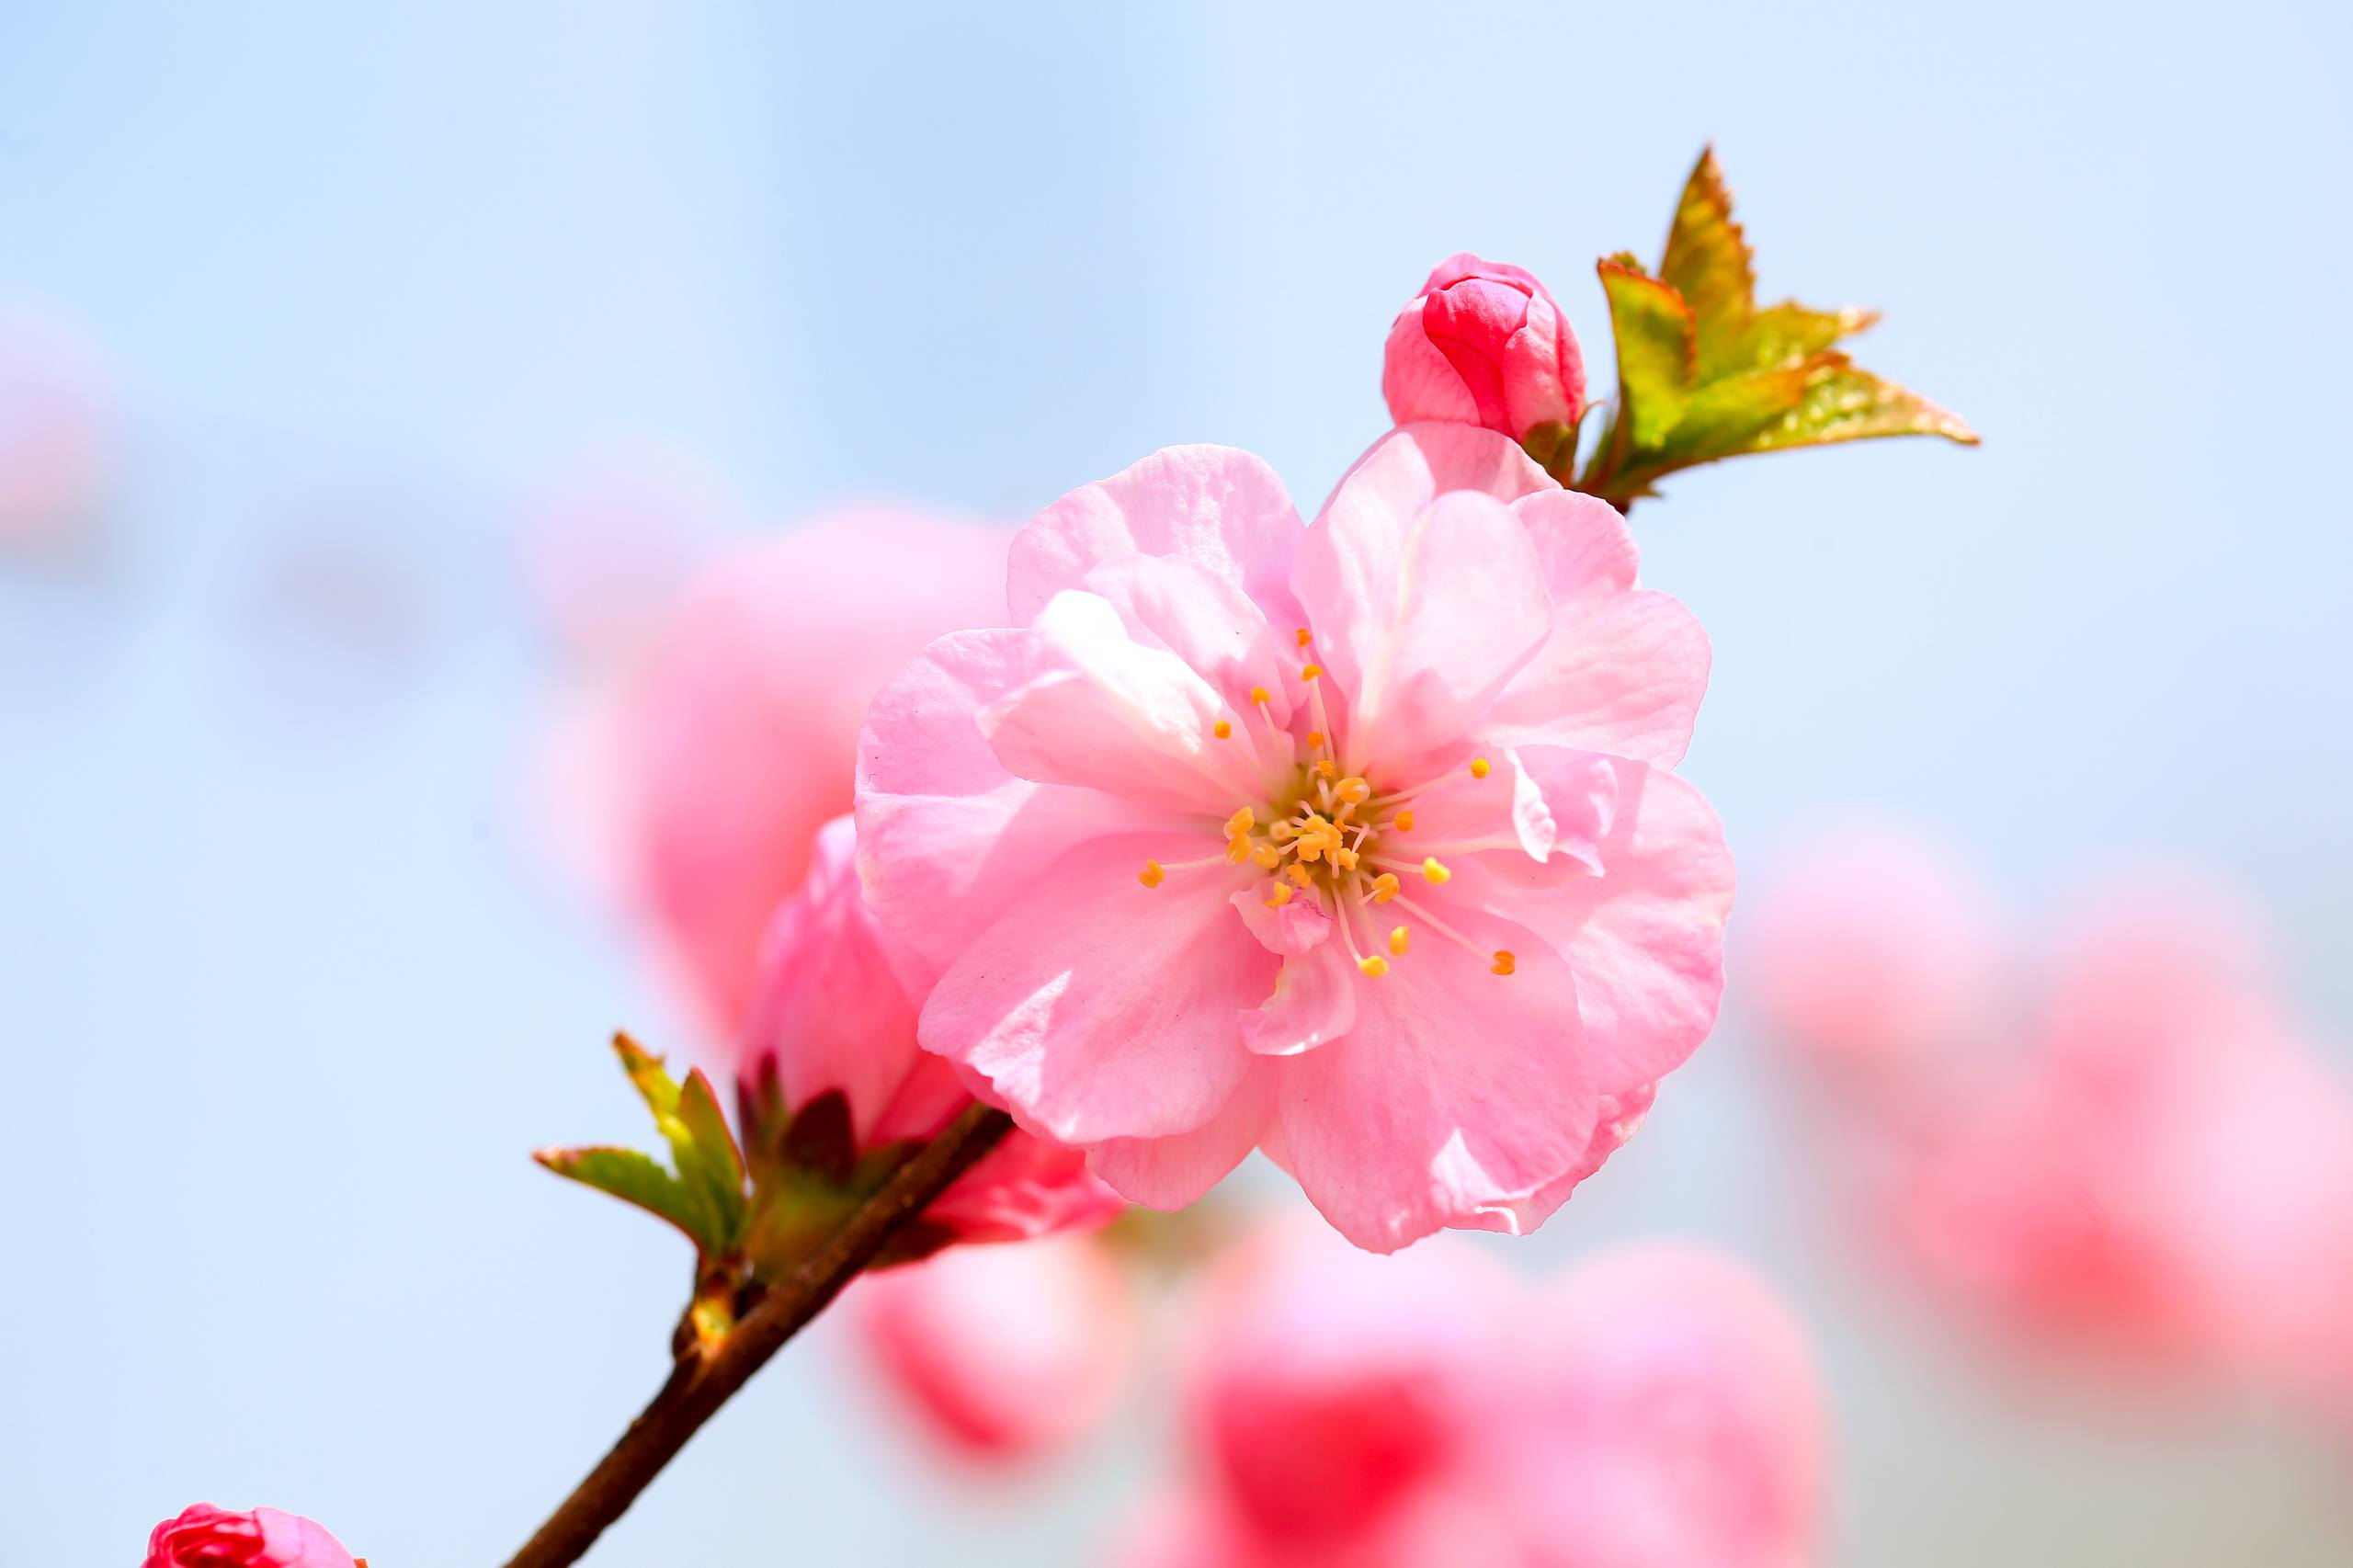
(1292, 928)
(1314, 1000)
(1216, 506)
(1169, 1173)
(1456, 1091)
(1102, 1008)
(1204, 618)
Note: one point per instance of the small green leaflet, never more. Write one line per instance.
(703, 1195)
(1704, 373)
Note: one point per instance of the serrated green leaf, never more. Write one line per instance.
(1707, 262)
(636, 1178)
(711, 1158)
(652, 1081)
(1655, 353)
(1785, 334)
(1842, 401)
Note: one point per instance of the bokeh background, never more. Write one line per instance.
(292, 981)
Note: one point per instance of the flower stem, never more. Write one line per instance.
(706, 1376)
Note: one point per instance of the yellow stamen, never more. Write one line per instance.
(1505, 962)
(1323, 767)
(1152, 876)
(1435, 871)
(1305, 637)
(1404, 822)
(1354, 790)
(1384, 887)
(1478, 767)
(1345, 857)
(1258, 694)
(1238, 848)
(1298, 874)
(1268, 856)
(1315, 740)
(1242, 821)
(1373, 967)
(1397, 941)
(1283, 896)
(1222, 730)
(1309, 672)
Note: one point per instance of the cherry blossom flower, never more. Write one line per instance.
(205, 1537)
(830, 1045)
(1654, 1408)
(1356, 842)
(1006, 1353)
(1483, 344)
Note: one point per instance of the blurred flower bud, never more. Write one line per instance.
(1483, 344)
(207, 1537)
(1006, 1351)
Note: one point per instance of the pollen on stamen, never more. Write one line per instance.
(1397, 940)
(1238, 848)
(1404, 822)
(1259, 695)
(1305, 637)
(1354, 790)
(1374, 967)
(1268, 856)
(1434, 869)
(1478, 769)
(1242, 821)
(1309, 672)
(1298, 874)
(1314, 740)
(1281, 896)
(1505, 963)
(1221, 729)
(1345, 857)
(1323, 768)
(1384, 887)
(1152, 876)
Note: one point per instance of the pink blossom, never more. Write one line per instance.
(734, 736)
(1483, 344)
(207, 1537)
(1005, 1351)
(834, 1018)
(2163, 1176)
(1654, 1408)
(1878, 946)
(1356, 842)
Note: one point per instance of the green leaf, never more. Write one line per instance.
(712, 1159)
(1704, 374)
(636, 1178)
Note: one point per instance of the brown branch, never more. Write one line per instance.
(705, 1378)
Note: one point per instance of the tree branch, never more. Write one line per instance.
(706, 1377)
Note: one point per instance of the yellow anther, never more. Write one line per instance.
(1238, 848)
(1258, 694)
(1354, 790)
(1284, 829)
(1242, 821)
(1323, 768)
(1268, 856)
(1505, 962)
(1384, 887)
(1404, 822)
(1305, 637)
(1221, 729)
(1479, 767)
(1373, 967)
(1309, 672)
(1345, 857)
(1283, 896)
(1397, 941)
(1434, 869)
(1298, 874)
(1152, 876)
(1314, 740)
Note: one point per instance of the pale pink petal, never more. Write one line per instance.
(1168, 601)
(1417, 462)
(1314, 1000)
(1025, 1186)
(1218, 507)
(1101, 1009)
(1624, 668)
(1287, 929)
(1544, 801)
(1169, 1173)
(1103, 711)
(1423, 615)
(1458, 1091)
(1621, 1116)
(1645, 938)
(946, 835)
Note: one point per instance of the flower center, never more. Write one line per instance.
(1333, 840)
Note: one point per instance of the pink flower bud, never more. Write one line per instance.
(1005, 1351)
(207, 1537)
(1483, 344)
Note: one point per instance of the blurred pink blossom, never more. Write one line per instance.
(1877, 945)
(1483, 344)
(58, 434)
(206, 1536)
(1007, 1352)
(1654, 1408)
(832, 1014)
(1436, 915)
(694, 775)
